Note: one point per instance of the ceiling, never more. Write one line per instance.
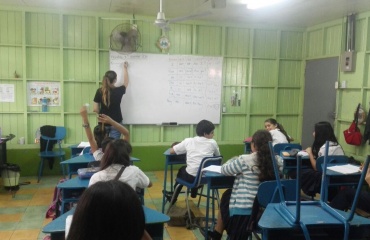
(292, 13)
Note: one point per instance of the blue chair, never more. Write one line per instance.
(60, 133)
(315, 213)
(286, 146)
(198, 182)
(330, 159)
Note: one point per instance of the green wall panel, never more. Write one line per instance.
(181, 38)
(237, 42)
(79, 65)
(265, 43)
(331, 43)
(234, 128)
(10, 62)
(75, 131)
(209, 39)
(79, 32)
(261, 101)
(290, 73)
(10, 27)
(177, 133)
(77, 94)
(289, 101)
(315, 43)
(235, 71)
(291, 45)
(360, 34)
(242, 94)
(257, 123)
(264, 72)
(145, 134)
(352, 97)
(42, 29)
(43, 63)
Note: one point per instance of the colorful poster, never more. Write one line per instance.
(36, 91)
(7, 92)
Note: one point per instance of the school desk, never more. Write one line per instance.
(215, 181)
(290, 163)
(72, 190)
(154, 221)
(171, 159)
(340, 179)
(82, 161)
(274, 226)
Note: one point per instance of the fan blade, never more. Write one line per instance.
(184, 18)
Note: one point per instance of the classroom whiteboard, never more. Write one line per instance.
(181, 89)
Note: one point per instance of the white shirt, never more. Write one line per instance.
(277, 137)
(98, 154)
(132, 175)
(196, 149)
(333, 150)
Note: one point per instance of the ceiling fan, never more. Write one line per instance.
(163, 23)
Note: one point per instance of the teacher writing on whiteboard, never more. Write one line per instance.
(108, 97)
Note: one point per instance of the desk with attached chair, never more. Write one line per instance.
(82, 161)
(154, 221)
(310, 217)
(171, 159)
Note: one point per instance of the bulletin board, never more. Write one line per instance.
(163, 89)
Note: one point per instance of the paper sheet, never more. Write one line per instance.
(83, 144)
(345, 169)
(213, 168)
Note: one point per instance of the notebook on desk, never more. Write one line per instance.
(85, 173)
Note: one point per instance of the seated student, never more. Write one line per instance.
(311, 178)
(277, 131)
(196, 149)
(344, 199)
(108, 210)
(116, 156)
(100, 138)
(236, 203)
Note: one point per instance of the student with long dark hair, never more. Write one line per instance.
(108, 97)
(108, 210)
(311, 178)
(279, 135)
(116, 156)
(236, 203)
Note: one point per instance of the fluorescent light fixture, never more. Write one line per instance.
(254, 4)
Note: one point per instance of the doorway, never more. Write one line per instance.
(319, 95)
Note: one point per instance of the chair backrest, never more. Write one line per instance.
(286, 146)
(330, 159)
(207, 161)
(60, 133)
(268, 191)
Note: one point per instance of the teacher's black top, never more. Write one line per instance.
(114, 109)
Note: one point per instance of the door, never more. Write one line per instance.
(319, 95)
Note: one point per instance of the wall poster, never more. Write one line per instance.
(36, 91)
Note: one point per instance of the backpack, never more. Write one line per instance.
(53, 210)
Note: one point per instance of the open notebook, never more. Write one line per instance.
(345, 169)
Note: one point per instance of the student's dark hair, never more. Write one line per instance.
(260, 140)
(108, 79)
(323, 132)
(279, 126)
(108, 210)
(100, 134)
(117, 152)
(204, 127)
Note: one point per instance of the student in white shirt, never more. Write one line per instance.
(277, 131)
(196, 148)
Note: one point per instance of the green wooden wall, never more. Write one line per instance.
(263, 64)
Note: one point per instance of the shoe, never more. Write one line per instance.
(168, 196)
(212, 235)
(194, 192)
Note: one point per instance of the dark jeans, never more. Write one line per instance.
(183, 174)
(343, 200)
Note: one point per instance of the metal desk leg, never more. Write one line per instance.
(164, 187)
